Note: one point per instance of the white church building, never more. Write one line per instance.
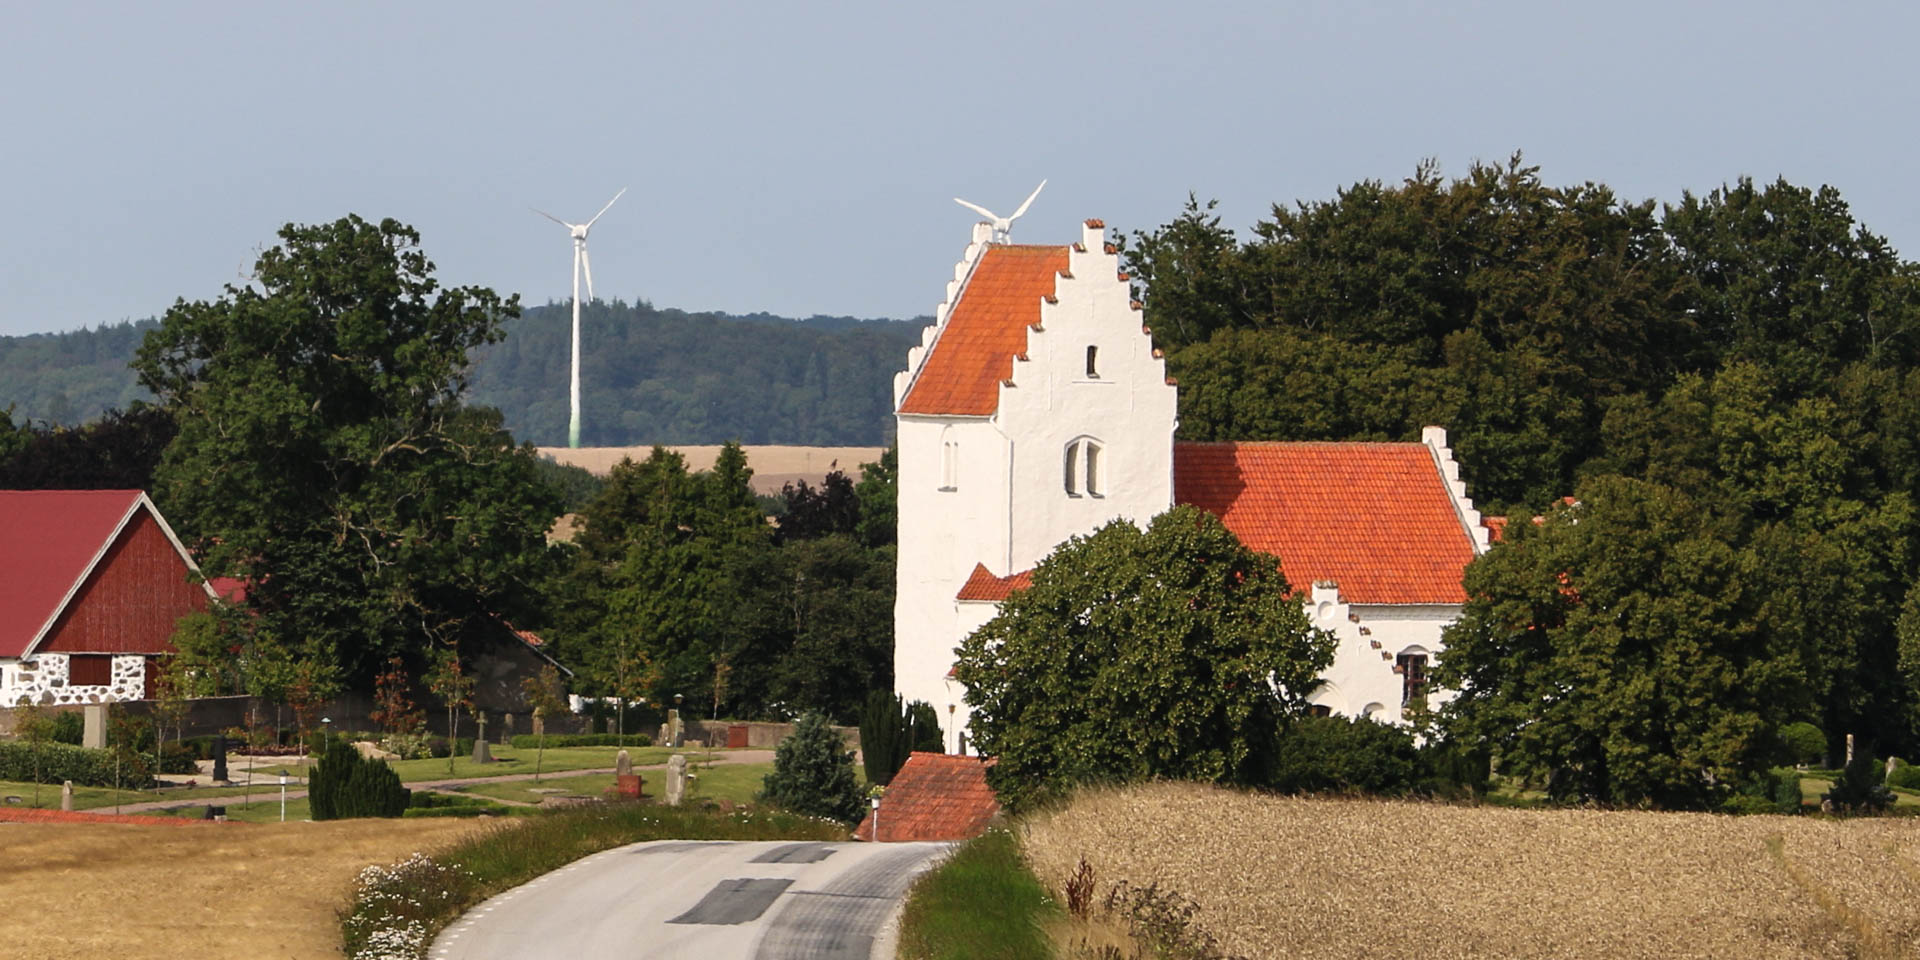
(1036, 408)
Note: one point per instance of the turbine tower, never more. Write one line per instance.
(581, 264)
(1003, 226)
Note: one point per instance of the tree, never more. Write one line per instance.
(324, 454)
(454, 687)
(542, 691)
(813, 773)
(1171, 652)
(118, 451)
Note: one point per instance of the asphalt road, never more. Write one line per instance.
(701, 900)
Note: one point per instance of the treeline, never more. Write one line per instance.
(1727, 386)
(650, 376)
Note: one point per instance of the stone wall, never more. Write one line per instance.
(43, 679)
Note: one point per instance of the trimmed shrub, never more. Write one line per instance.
(68, 727)
(527, 741)
(59, 761)
(1906, 777)
(813, 773)
(345, 785)
(1803, 741)
(1859, 788)
(1773, 791)
(1341, 755)
(462, 747)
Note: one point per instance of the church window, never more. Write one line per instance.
(949, 465)
(1412, 668)
(1081, 469)
(1093, 370)
(1319, 710)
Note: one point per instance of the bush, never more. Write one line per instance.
(527, 741)
(1859, 789)
(59, 762)
(462, 747)
(1773, 791)
(1906, 777)
(67, 727)
(346, 785)
(429, 800)
(407, 746)
(1804, 742)
(813, 773)
(1341, 755)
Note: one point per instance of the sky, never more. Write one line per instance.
(802, 158)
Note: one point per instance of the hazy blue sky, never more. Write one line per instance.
(802, 158)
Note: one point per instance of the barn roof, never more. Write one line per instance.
(983, 585)
(50, 541)
(974, 350)
(1374, 518)
(935, 797)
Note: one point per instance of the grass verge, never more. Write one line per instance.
(396, 911)
(983, 903)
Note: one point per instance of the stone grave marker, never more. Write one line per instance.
(676, 780)
(481, 754)
(66, 795)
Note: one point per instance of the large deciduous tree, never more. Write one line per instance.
(1170, 652)
(324, 454)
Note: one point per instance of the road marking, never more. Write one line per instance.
(735, 901)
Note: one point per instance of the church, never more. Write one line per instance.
(1036, 408)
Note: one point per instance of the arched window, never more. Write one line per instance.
(1412, 668)
(949, 462)
(1093, 369)
(1081, 468)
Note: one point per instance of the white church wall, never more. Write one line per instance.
(1368, 639)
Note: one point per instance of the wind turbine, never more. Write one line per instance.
(1003, 226)
(581, 264)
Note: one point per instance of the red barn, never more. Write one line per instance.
(91, 584)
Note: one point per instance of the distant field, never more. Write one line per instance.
(1303, 878)
(773, 466)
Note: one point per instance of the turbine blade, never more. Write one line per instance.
(976, 208)
(609, 206)
(1029, 203)
(586, 264)
(550, 216)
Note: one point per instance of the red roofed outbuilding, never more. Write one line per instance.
(935, 797)
(91, 585)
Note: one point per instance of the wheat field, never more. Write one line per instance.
(1303, 878)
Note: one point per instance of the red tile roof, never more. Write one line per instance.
(48, 541)
(1373, 517)
(974, 352)
(983, 585)
(935, 797)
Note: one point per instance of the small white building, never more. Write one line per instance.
(1036, 408)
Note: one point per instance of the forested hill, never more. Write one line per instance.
(666, 376)
(649, 376)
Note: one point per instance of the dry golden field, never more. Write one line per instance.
(773, 466)
(187, 893)
(1301, 878)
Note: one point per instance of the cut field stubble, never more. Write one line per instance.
(1290, 877)
(248, 890)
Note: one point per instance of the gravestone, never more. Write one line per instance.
(481, 754)
(676, 780)
(66, 795)
(93, 733)
(220, 759)
(622, 764)
(674, 730)
(625, 783)
(506, 729)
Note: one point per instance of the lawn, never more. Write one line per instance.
(509, 760)
(736, 782)
(95, 798)
(982, 902)
(264, 809)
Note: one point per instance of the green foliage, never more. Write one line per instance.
(1174, 652)
(981, 903)
(67, 727)
(1768, 791)
(577, 486)
(1905, 776)
(50, 762)
(1861, 787)
(1358, 755)
(1804, 742)
(345, 785)
(117, 451)
(324, 454)
(813, 773)
(63, 379)
(890, 730)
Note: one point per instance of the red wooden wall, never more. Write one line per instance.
(131, 601)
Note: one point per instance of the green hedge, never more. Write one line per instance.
(345, 785)
(59, 762)
(527, 741)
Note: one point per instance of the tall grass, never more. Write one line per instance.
(983, 903)
(396, 911)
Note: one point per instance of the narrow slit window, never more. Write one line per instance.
(1073, 455)
(1093, 469)
(949, 465)
(1093, 367)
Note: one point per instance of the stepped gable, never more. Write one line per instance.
(935, 797)
(983, 585)
(1375, 518)
(973, 351)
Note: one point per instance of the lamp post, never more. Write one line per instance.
(950, 721)
(283, 798)
(876, 819)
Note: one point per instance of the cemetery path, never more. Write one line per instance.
(702, 900)
(207, 798)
